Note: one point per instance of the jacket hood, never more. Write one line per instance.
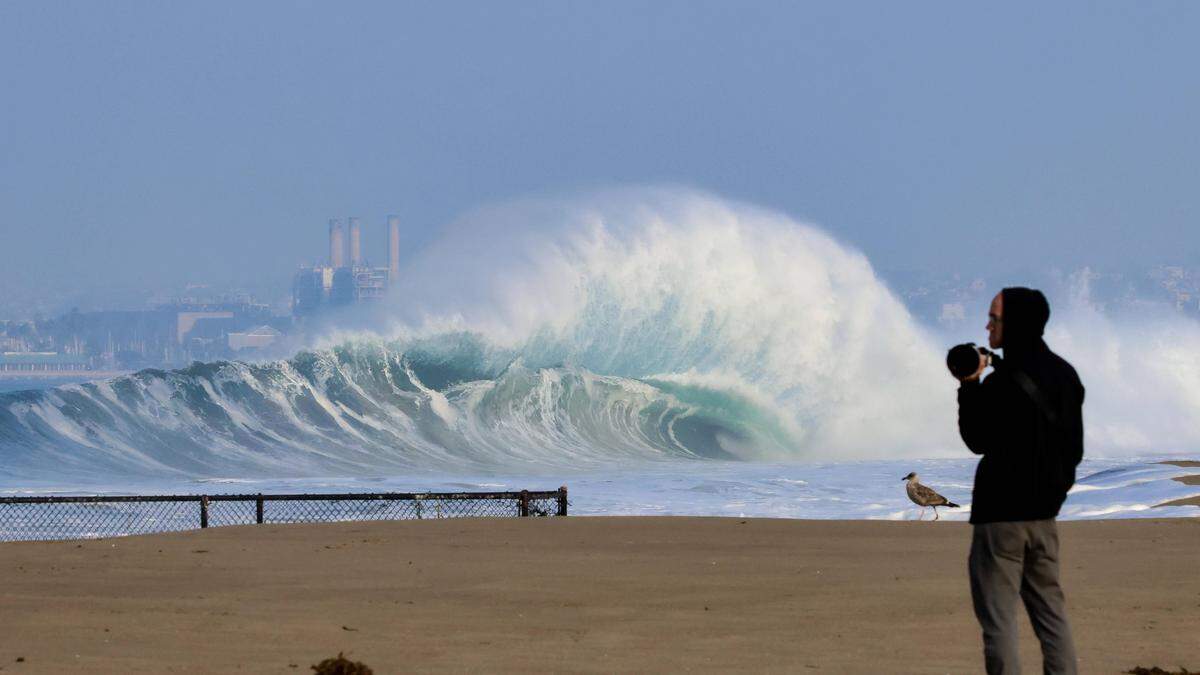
(1026, 312)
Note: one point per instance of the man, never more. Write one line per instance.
(1025, 419)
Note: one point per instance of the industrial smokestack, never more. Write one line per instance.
(337, 244)
(393, 248)
(355, 243)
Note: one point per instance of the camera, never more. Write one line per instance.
(963, 360)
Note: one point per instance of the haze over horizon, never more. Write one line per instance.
(146, 145)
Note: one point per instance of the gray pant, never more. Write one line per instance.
(1011, 559)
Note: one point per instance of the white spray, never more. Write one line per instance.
(677, 286)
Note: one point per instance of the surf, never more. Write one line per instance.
(648, 324)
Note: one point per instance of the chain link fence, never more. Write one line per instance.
(47, 518)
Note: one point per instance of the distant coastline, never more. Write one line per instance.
(20, 381)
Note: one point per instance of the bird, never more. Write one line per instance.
(923, 496)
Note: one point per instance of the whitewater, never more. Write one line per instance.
(613, 337)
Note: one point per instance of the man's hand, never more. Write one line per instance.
(974, 377)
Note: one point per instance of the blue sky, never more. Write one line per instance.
(147, 144)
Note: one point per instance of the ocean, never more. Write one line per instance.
(659, 352)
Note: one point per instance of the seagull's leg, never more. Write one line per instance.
(935, 513)
(922, 515)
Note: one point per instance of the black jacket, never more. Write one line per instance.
(1028, 461)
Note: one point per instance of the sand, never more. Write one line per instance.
(575, 594)
(1186, 480)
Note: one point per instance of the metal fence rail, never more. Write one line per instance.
(45, 518)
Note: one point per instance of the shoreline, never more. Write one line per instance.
(577, 594)
(1191, 480)
(1107, 488)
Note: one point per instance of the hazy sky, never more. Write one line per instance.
(145, 144)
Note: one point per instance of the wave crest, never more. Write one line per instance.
(631, 323)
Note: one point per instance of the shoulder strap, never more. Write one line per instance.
(1031, 389)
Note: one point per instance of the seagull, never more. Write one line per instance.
(923, 496)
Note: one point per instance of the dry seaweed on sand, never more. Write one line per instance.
(342, 666)
(1155, 670)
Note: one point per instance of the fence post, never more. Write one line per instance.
(562, 500)
(258, 508)
(203, 510)
(524, 503)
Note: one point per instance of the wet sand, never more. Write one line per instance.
(575, 594)
(1186, 501)
(1186, 480)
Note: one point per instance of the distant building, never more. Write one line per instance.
(952, 313)
(338, 284)
(185, 321)
(42, 362)
(172, 333)
(256, 338)
(311, 290)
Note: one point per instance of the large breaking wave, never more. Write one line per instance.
(636, 323)
(361, 406)
(631, 324)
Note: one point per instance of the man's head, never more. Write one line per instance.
(1017, 318)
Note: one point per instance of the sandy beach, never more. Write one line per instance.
(575, 594)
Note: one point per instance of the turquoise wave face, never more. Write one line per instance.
(371, 406)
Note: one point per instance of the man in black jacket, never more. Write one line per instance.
(1025, 419)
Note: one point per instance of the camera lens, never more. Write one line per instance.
(963, 360)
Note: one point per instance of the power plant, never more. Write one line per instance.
(336, 284)
(393, 247)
